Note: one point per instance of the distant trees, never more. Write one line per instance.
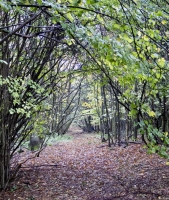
(100, 111)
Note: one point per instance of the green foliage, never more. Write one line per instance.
(157, 141)
(17, 88)
(126, 47)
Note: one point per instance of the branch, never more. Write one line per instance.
(73, 7)
(30, 6)
(20, 27)
(22, 35)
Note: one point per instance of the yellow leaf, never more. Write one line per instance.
(69, 16)
(87, 105)
(139, 33)
(164, 22)
(145, 38)
(161, 62)
(158, 75)
(167, 163)
(151, 113)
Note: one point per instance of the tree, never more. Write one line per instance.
(32, 49)
(131, 48)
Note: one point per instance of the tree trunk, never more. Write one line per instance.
(118, 124)
(4, 156)
(164, 114)
(4, 124)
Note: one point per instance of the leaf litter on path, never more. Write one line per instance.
(84, 169)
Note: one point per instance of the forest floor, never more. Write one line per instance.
(86, 169)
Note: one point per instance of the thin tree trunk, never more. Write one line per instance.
(118, 124)
(165, 114)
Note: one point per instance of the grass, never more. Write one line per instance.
(59, 138)
(51, 140)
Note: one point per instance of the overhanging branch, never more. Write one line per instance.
(20, 27)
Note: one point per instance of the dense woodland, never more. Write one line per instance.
(101, 65)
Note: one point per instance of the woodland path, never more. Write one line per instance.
(86, 169)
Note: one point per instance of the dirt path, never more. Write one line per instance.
(85, 169)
